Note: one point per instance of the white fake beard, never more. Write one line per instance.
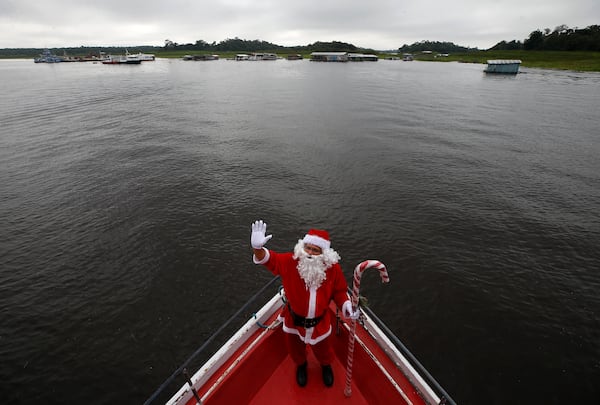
(312, 269)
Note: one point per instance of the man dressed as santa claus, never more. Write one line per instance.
(311, 277)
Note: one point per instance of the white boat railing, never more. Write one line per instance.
(429, 388)
(431, 391)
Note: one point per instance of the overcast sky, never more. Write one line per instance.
(377, 24)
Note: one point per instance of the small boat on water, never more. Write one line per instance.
(201, 57)
(372, 366)
(503, 66)
(145, 57)
(362, 57)
(262, 56)
(48, 57)
(122, 60)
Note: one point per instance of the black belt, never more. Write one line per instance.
(304, 322)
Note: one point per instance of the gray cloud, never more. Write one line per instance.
(378, 24)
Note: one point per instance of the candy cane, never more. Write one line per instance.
(355, 287)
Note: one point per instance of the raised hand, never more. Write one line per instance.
(258, 238)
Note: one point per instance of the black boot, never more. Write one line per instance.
(327, 375)
(301, 376)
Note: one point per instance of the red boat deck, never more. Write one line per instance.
(282, 384)
(265, 374)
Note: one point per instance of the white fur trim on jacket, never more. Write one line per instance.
(264, 260)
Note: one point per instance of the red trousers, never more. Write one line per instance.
(297, 350)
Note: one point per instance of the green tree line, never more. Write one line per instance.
(434, 46)
(562, 38)
(228, 45)
(243, 45)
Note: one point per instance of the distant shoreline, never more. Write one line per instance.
(563, 60)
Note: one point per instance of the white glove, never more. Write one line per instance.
(348, 312)
(258, 239)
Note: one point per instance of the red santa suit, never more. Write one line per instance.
(307, 302)
(306, 319)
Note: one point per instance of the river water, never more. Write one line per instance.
(128, 194)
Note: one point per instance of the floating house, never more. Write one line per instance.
(262, 56)
(361, 57)
(503, 66)
(329, 56)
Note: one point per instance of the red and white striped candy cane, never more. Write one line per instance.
(358, 270)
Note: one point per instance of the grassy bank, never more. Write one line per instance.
(581, 61)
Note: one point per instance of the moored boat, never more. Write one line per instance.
(503, 66)
(133, 59)
(362, 57)
(48, 57)
(145, 57)
(121, 60)
(372, 366)
(262, 56)
(111, 60)
(329, 57)
(201, 57)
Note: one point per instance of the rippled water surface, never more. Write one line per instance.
(128, 193)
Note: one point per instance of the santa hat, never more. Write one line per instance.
(318, 238)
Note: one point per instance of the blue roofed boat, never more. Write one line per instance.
(503, 66)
